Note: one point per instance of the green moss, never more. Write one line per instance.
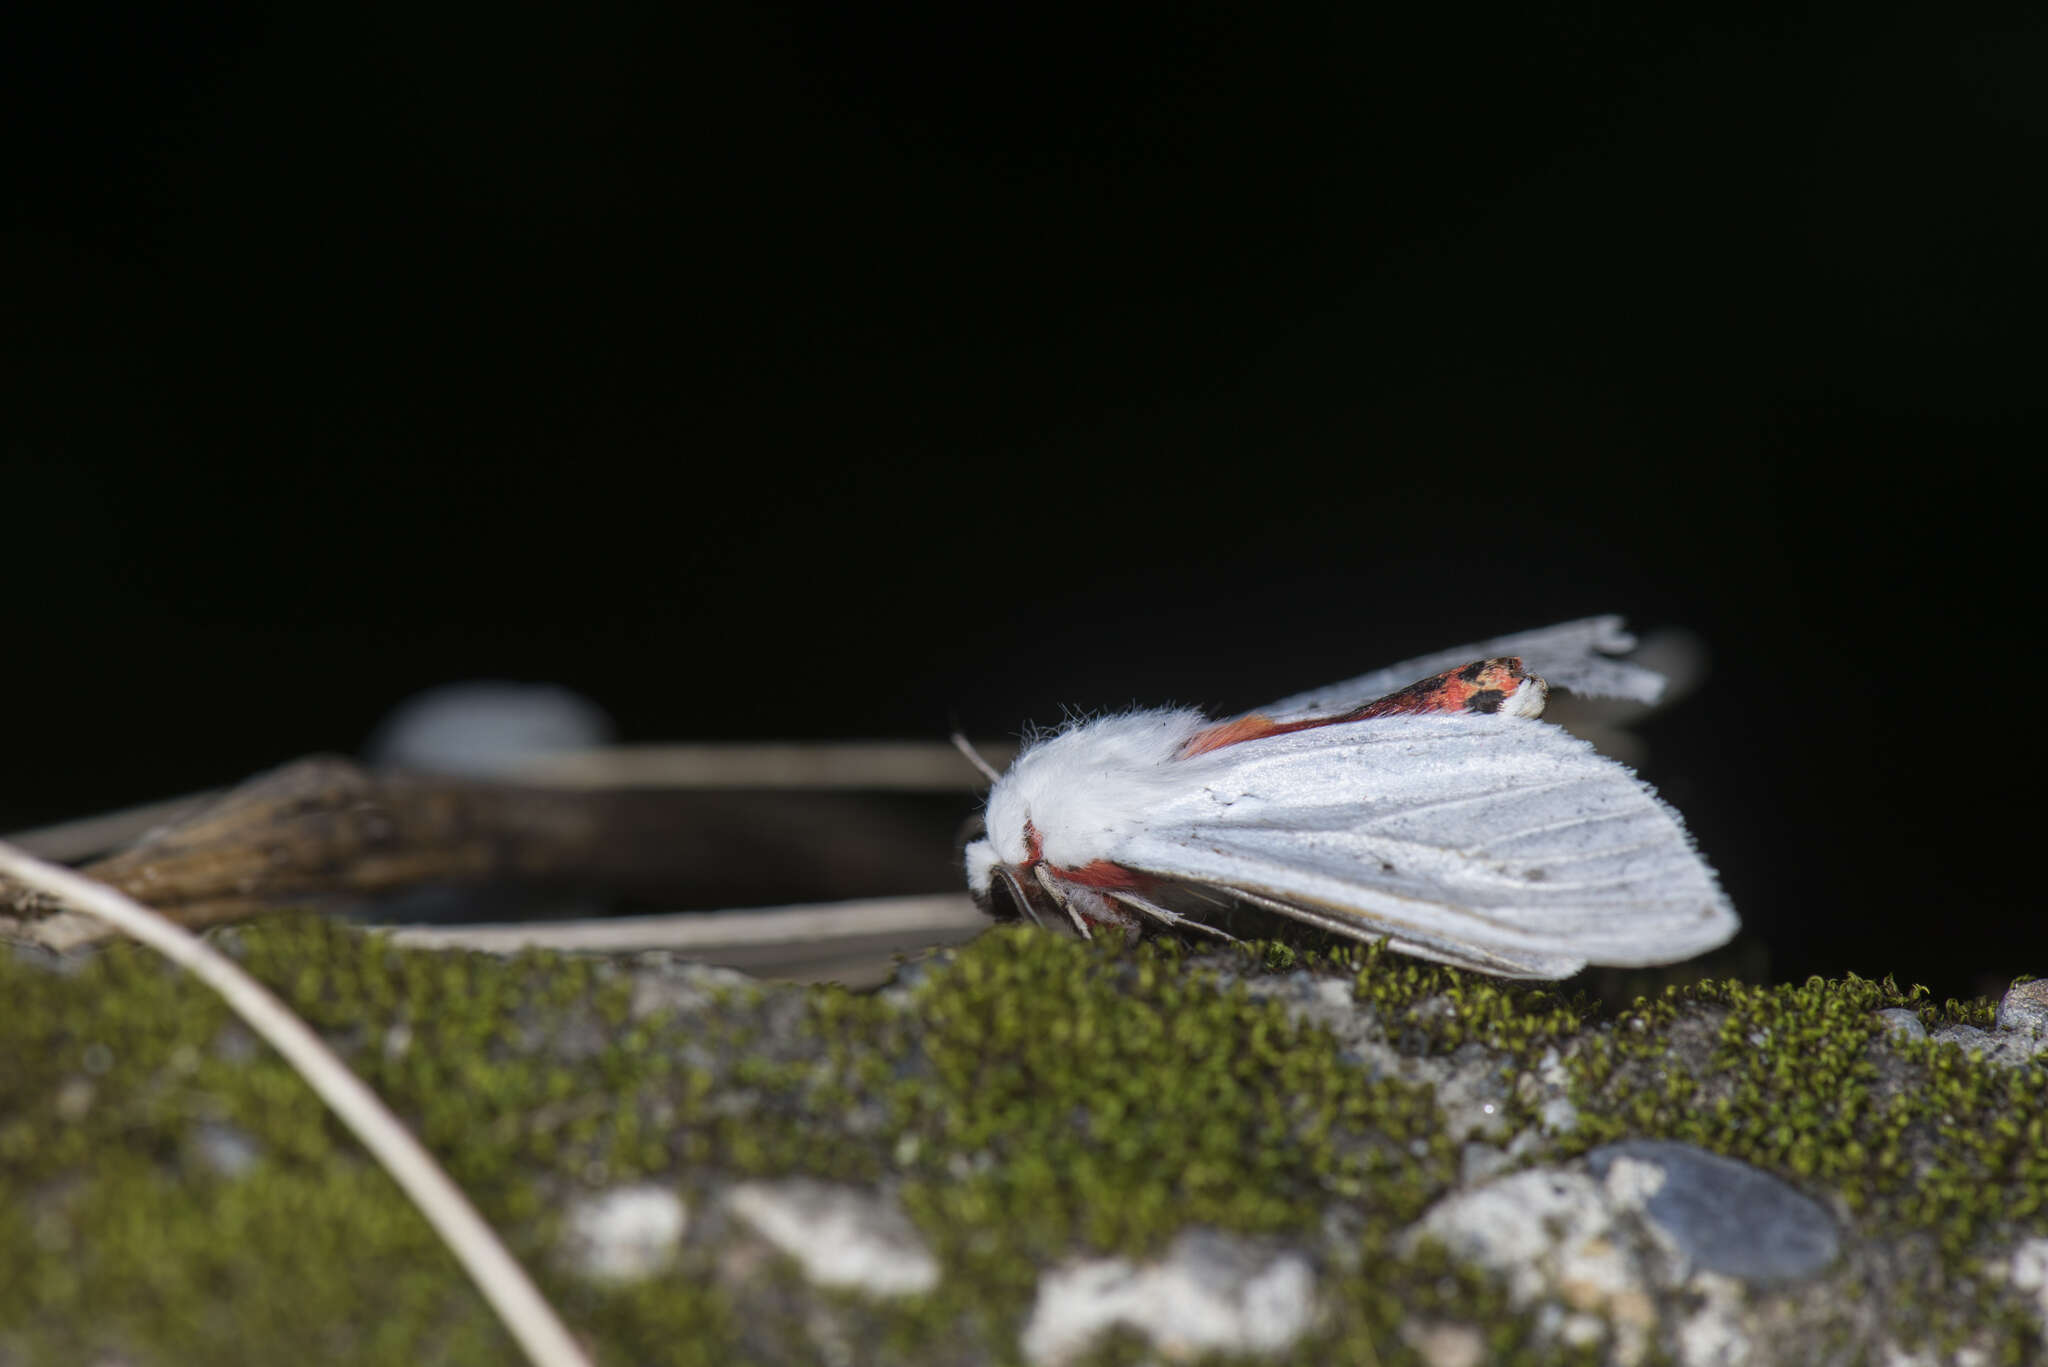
(1938, 1155)
(1426, 1008)
(1029, 1099)
(120, 1240)
(1076, 1097)
(1792, 1081)
(124, 1240)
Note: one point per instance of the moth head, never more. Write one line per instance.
(998, 884)
(994, 885)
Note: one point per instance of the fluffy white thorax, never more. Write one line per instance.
(1082, 790)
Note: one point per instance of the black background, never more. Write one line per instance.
(770, 371)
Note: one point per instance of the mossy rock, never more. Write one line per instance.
(171, 1192)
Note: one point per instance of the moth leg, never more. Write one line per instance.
(1165, 916)
(1533, 964)
(1058, 895)
(1016, 888)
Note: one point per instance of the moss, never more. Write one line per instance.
(1427, 1008)
(1076, 1097)
(130, 1244)
(123, 1243)
(1936, 1155)
(1030, 1099)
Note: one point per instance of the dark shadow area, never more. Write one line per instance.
(771, 371)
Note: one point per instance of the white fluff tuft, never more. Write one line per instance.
(1087, 788)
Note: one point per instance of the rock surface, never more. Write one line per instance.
(1721, 1215)
(1026, 1149)
(2024, 1011)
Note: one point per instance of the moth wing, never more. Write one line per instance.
(1576, 656)
(1496, 842)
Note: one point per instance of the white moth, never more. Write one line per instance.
(1440, 814)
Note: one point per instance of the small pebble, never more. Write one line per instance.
(2029, 1273)
(225, 1149)
(1727, 1216)
(1211, 1293)
(842, 1236)
(1903, 1024)
(625, 1234)
(1445, 1345)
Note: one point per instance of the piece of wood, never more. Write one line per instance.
(324, 831)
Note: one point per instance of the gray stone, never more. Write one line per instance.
(2010, 1048)
(1726, 1216)
(840, 1236)
(1474, 1099)
(1553, 1237)
(1546, 1089)
(1965, 1037)
(1904, 1025)
(2024, 1008)
(1479, 1162)
(2028, 1273)
(226, 1149)
(1211, 1293)
(1471, 1092)
(1443, 1344)
(665, 980)
(1330, 1004)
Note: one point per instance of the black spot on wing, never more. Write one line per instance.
(1485, 700)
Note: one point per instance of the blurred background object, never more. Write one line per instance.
(485, 728)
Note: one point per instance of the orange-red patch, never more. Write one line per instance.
(1101, 873)
(1478, 687)
(1254, 727)
(1096, 873)
(1481, 686)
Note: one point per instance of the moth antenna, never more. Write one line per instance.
(1016, 888)
(966, 747)
(1066, 904)
(1166, 916)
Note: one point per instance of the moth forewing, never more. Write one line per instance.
(1492, 836)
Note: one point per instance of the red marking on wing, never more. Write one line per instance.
(1481, 686)
(1102, 873)
(1477, 687)
(1254, 727)
(1097, 873)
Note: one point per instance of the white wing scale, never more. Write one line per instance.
(1498, 842)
